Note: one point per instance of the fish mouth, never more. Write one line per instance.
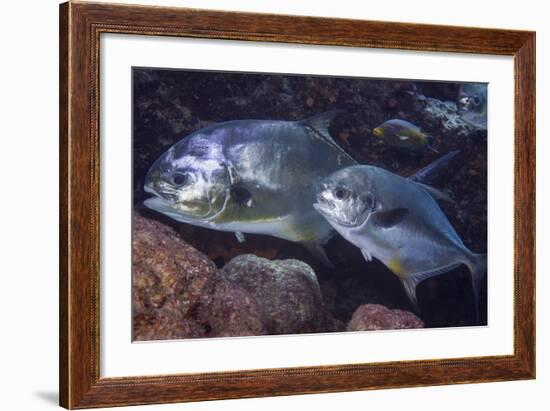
(157, 201)
(185, 211)
(150, 190)
(160, 205)
(166, 207)
(323, 205)
(377, 132)
(164, 204)
(320, 208)
(329, 210)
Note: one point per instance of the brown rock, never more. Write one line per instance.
(233, 312)
(287, 293)
(178, 292)
(370, 317)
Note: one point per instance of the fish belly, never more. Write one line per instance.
(407, 255)
(296, 227)
(423, 259)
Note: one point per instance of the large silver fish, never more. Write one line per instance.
(250, 176)
(398, 222)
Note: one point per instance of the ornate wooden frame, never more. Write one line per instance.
(80, 27)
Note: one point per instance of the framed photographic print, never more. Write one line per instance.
(256, 205)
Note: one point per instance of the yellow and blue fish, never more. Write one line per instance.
(402, 134)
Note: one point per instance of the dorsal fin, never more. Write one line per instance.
(320, 123)
(437, 194)
(437, 170)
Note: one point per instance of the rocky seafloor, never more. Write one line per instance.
(194, 282)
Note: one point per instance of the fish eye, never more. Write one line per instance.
(180, 179)
(341, 193)
(476, 100)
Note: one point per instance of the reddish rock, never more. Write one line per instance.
(287, 293)
(232, 312)
(178, 292)
(369, 317)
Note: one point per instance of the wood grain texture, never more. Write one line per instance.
(525, 202)
(80, 27)
(63, 204)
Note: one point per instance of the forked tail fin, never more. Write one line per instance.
(478, 271)
(411, 281)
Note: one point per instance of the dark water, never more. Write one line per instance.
(170, 104)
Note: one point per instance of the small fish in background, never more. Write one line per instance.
(403, 134)
(472, 104)
(398, 222)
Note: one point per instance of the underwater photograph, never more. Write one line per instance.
(276, 204)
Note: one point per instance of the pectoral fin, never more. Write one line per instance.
(318, 252)
(241, 195)
(366, 253)
(240, 237)
(389, 218)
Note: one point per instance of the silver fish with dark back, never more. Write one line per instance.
(398, 222)
(250, 176)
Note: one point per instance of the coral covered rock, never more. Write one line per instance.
(369, 317)
(287, 293)
(178, 292)
(231, 312)
(443, 116)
